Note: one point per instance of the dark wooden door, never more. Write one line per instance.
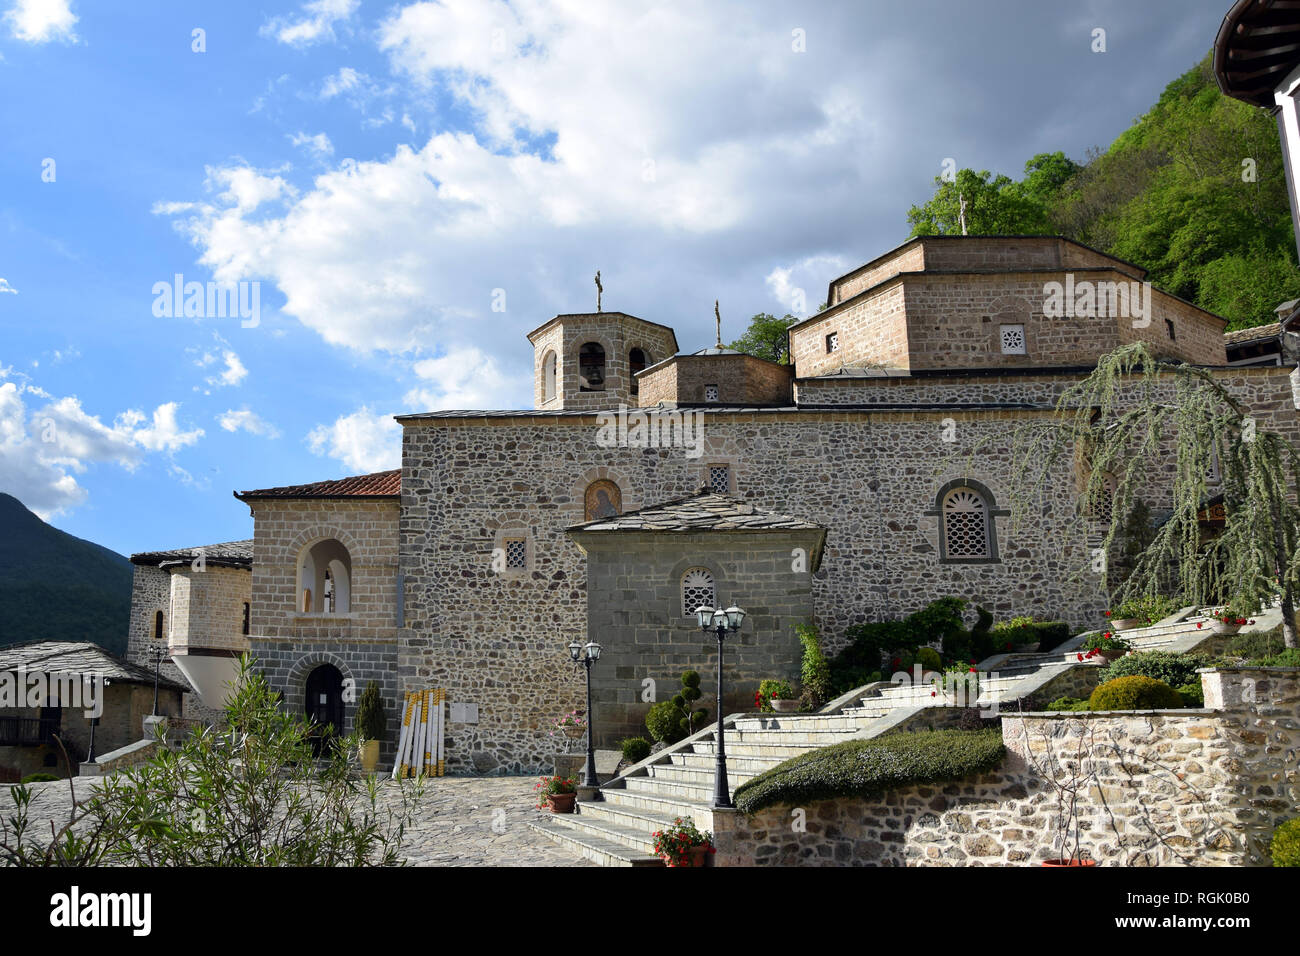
(324, 702)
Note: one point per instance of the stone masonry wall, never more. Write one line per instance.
(741, 380)
(1191, 788)
(872, 330)
(870, 477)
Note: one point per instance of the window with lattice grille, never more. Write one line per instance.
(1013, 339)
(833, 342)
(697, 590)
(516, 553)
(720, 479)
(965, 524)
(710, 393)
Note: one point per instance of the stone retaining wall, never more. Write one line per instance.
(1194, 787)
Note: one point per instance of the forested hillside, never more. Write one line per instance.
(1194, 191)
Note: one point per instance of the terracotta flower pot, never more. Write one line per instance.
(561, 802)
(1109, 656)
(695, 856)
(1068, 863)
(1125, 624)
(573, 733)
(785, 706)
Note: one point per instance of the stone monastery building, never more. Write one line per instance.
(859, 483)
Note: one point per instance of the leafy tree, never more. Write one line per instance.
(766, 338)
(247, 793)
(995, 205)
(1130, 419)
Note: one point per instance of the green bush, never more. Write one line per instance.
(1174, 669)
(928, 658)
(1134, 693)
(664, 722)
(635, 749)
(862, 659)
(39, 778)
(1051, 634)
(370, 713)
(815, 671)
(1068, 703)
(1253, 645)
(769, 688)
(1193, 694)
(867, 768)
(1288, 658)
(1285, 845)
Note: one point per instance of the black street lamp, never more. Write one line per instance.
(586, 655)
(720, 622)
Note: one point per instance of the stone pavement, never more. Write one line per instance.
(460, 821)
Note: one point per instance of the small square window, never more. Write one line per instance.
(833, 342)
(516, 553)
(1169, 327)
(710, 393)
(1013, 339)
(720, 479)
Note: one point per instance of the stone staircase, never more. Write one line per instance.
(678, 781)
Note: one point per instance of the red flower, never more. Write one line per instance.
(1108, 613)
(972, 670)
(1079, 656)
(1107, 634)
(1241, 620)
(1250, 622)
(1200, 624)
(932, 693)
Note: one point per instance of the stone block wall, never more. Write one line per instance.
(870, 477)
(871, 330)
(617, 333)
(1156, 788)
(650, 638)
(741, 380)
(910, 258)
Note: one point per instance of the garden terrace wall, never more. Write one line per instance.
(1203, 788)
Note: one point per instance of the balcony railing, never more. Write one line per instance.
(27, 731)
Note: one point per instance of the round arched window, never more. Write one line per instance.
(697, 591)
(591, 367)
(966, 524)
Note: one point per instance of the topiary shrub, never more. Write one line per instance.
(689, 719)
(928, 658)
(635, 749)
(1193, 694)
(663, 722)
(1134, 693)
(1174, 669)
(39, 778)
(1285, 845)
(370, 713)
(867, 768)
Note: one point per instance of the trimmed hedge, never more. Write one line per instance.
(1135, 693)
(1173, 669)
(867, 768)
(1285, 846)
(635, 749)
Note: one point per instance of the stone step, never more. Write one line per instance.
(790, 737)
(664, 805)
(735, 748)
(867, 714)
(735, 762)
(641, 815)
(699, 776)
(839, 722)
(696, 791)
(602, 847)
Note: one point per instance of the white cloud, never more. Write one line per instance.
(317, 145)
(232, 374)
(249, 421)
(465, 378)
(801, 286)
(43, 447)
(6, 287)
(40, 21)
(363, 441)
(341, 82)
(314, 24)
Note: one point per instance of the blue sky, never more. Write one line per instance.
(385, 172)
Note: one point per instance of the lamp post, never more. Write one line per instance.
(721, 623)
(586, 655)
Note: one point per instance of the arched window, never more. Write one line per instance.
(158, 625)
(591, 367)
(603, 499)
(325, 578)
(636, 362)
(967, 532)
(548, 377)
(1102, 509)
(965, 524)
(697, 591)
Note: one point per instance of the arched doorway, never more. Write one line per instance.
(323, 694)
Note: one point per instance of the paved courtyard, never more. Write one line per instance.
(460, 821)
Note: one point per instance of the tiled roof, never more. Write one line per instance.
(232, 554)
(380, 484)
(707, 511)
(78, 657)
(1258, 333)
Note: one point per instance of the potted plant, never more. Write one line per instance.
(556, 793)
(682, 844)
(1238, 611)
(572, 724)
(1127, 616)
(370, 726)
(1107, 646)
(776, 695)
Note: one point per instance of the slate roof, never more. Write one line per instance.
(379, 484)
(707, 511)
(1258, 333)
(230, 554)
(78, 657)
(722, 408)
